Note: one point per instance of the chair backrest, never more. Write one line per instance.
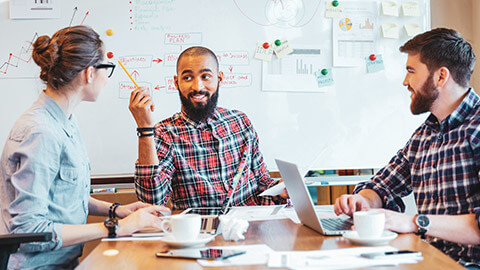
(9, 243)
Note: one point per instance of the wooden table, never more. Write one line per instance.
(280, 235)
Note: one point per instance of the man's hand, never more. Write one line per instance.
(399, 222)
(141, 106)
(348, 204)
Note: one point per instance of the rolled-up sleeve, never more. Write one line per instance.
(391, 183)
(153, 182)
(37, 161)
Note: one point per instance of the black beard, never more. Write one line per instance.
(202, 112)
(422, 101)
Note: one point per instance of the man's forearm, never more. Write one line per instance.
(374, 201)
(147, 153)
(459, 229)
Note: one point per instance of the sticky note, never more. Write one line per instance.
(410, 9)
(331, 11)
(283, 49)
(263, 54)
(389, 8)
(324, 80)
(412, 29)
(375, 65)
(390, 30)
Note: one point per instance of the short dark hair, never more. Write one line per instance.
(442, 47)
(197, 51)
(69, 51)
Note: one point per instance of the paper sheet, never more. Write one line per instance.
(255, 213)
(256, 254)
(354, 34)
(346, 258)
(274, 191)
(132, 238)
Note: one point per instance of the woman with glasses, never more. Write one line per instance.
(44, 167)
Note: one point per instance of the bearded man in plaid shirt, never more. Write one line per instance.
(193, 156)
(440, 164)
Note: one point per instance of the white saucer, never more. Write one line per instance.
(386, 237)
(202, 239)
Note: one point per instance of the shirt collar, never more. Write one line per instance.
(458, 116)
(57, 113)
(211, 119)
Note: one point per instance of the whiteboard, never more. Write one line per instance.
(358, 122)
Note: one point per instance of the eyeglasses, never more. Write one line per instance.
(107, 66)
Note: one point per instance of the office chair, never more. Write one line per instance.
(9, 243)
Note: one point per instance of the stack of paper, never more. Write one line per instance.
(346, 258)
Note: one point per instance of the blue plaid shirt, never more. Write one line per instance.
(440, 164)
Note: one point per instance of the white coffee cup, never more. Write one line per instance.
(182, 227)
(369, 224)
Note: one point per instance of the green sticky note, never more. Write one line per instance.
(324, 80)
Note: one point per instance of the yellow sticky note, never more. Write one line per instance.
(282, 49)
(331, 11)
(389, 8)
(390, 30)
(412, 29)
(410, 9)
(263, 54)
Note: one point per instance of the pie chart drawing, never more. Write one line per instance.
(345, 24)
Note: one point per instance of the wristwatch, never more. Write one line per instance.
(111, 224)
(423, 222)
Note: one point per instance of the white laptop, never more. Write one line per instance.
(302, 202)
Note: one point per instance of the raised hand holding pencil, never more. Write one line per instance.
(141, 103)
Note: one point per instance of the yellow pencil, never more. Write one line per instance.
(128, 74)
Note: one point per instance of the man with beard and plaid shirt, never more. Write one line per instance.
(440, 164)
(193, 156)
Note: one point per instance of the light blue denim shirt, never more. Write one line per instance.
(44, 183)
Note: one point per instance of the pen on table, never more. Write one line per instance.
(130, 76)
(103, 190)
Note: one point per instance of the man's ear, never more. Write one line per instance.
(220, 77)
(175, 81)
(443, 75)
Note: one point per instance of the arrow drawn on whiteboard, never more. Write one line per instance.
(12, 57)
(158, 60)
(230, 68)
(86, 14)
(73, 16)
(135, 74)
(158, 87)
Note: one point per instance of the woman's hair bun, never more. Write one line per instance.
(45, 54)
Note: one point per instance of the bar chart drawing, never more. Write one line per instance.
(293, 73)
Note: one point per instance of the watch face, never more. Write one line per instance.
(111, 223)
(423, 221)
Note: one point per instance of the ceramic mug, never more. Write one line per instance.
(369, 224)
(182, 227)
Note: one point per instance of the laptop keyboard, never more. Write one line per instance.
(210, 223)
(336, 224)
